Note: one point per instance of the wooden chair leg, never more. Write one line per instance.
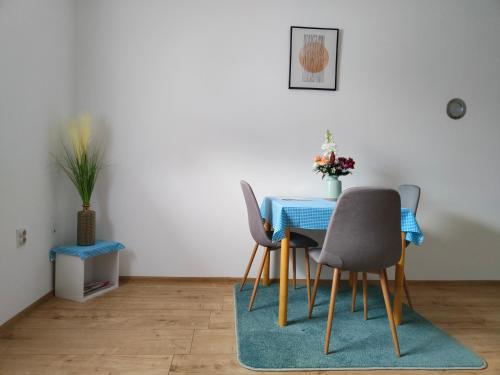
(365, 296)
(392, 325)
(335, 285)
(315, 289)
(308, 276)
(294, 267)
(354, 290)
(257, 279)
(249, 265)
(407, 292)
(267, 266)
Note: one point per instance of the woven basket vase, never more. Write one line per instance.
(86, 227)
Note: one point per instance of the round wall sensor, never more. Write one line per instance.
(456, 108)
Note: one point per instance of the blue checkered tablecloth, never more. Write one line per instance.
(315, 213)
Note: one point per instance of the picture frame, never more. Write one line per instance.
(313, 58)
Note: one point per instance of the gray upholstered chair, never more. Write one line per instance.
(410, 196)
(264, 239)
(364, 235)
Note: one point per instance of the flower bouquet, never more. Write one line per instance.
(332, 167)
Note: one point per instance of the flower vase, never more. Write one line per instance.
(86, 227)
(333, 187)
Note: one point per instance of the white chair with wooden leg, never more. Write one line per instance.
(363, 236)
(264, 238)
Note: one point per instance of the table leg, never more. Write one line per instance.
(284, 279)
(265, 279)
(399, 280)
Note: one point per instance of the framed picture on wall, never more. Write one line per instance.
(313, 58)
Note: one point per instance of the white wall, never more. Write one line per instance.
(36, 77)
(194, 97)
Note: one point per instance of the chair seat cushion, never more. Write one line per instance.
(314, 254)
(296, 240)
(300, 240)
(328, 259)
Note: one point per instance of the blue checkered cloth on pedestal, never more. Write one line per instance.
(315, 213)
(86, 252)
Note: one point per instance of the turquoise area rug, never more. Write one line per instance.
(355, 343)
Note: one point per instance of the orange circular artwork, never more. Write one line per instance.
(313, 57)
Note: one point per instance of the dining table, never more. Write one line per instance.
(281, 214)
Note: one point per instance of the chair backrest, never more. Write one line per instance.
(254, 219)
(410, 195)
(364, 233)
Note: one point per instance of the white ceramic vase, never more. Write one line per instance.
(333, 187)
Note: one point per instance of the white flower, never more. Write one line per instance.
(329, 147)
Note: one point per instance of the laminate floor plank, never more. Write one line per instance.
(113, 319)
(214, 341)
(136, 303)
(96, 341)
(221, 319)
(20, 364)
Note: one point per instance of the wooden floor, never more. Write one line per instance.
(187, 327)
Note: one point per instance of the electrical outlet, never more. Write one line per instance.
(21, 237)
